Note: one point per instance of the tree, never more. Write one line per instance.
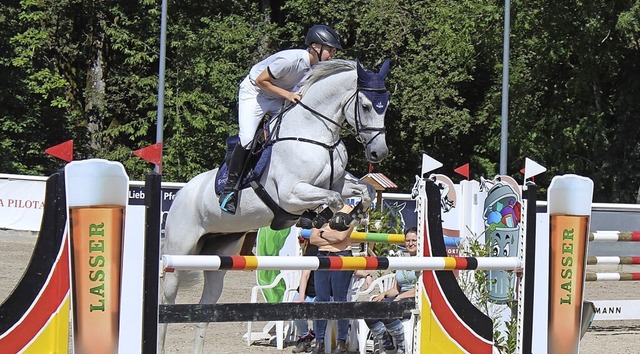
(88, 71)
(572, 91)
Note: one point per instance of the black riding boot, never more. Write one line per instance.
(229, 196)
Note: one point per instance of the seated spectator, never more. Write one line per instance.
(404, 290)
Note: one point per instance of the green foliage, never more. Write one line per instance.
(88, 71)
(381, 222)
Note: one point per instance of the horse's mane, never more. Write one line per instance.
(324, 69)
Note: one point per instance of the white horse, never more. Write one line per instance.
(307, 170)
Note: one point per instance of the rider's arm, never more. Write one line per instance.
(264, 81)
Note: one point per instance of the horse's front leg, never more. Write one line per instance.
(305, 196)
(354, 187)
(343, 221)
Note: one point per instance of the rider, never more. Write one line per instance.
(265, 89)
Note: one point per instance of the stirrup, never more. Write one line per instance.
(229, 200)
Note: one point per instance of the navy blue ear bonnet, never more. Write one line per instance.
(372, 86)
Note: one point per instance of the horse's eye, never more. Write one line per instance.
(366, 107)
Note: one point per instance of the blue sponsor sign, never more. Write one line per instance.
(168, 195)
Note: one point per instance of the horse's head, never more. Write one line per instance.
(363, 105)
(366, 112)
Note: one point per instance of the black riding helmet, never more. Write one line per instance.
(323, 34)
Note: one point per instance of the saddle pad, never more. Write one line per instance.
(257, 166)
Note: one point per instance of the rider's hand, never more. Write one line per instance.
(293, 97)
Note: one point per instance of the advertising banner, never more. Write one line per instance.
(21, 203)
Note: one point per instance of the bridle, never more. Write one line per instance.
(359, 127)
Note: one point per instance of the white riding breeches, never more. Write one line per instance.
(252, 106)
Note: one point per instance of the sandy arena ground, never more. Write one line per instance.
(611, 337)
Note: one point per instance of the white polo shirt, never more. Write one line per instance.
(286, 68)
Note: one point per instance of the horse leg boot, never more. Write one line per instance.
(229, 196)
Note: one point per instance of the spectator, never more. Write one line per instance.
(332, 285)
(404, 290)
(368, 278)
(306, 293)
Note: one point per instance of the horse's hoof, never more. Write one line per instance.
(304, 223)
(322, 218)
(338, 226)
(318, 222)
(341, 222)
(306, 220)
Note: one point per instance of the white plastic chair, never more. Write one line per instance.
(409, 330)
(354, 288)
(283, 329)
(381, 284)
(352, 295)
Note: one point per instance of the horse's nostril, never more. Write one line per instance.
(374, 155)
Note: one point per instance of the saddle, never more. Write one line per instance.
(255, 165)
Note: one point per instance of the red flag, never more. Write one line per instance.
(463, 170)
(62, 151)
(151, 153)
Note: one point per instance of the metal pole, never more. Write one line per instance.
(504, 132)
(160, 114)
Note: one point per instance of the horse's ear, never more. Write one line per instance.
(362, 73)
(384, 69)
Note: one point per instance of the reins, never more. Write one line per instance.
(330, 148)
(274, 137)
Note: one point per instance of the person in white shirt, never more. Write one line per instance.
(269, 84)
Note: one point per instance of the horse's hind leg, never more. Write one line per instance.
(223, 245)
(213, 284)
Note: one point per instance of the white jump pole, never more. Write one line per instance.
(212, 263)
